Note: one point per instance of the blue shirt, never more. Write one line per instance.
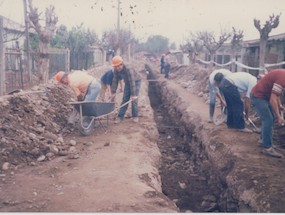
(107, 78)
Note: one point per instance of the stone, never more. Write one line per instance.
(5, 166)
(41, 158)
(72, 142)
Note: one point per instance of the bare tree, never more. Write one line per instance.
(236, 46)
(45, 35)
(193, 46)
(270, 24)
(110, 40)
(210, 43)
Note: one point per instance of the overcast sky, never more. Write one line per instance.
(174, 19)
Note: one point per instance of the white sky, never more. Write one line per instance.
(173, 19)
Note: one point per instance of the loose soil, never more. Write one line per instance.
(172, 160)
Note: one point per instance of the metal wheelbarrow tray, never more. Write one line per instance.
(89, 112)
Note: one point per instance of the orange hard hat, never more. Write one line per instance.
(59, 75)
(117, 60)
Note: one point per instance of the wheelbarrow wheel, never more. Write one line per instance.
(84, 130)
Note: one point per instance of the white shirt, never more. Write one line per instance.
(243, 81)
(225, 72)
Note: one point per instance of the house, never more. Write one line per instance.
(275, 51)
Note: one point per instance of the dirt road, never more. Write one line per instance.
(120, 170)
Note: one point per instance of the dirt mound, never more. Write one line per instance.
(32, 124)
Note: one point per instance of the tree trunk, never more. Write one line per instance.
(43, 62)
(262, 53)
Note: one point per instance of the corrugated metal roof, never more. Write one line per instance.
(271, 38)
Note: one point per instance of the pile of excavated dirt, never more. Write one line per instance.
(33, 123)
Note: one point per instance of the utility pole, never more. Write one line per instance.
(2, 60)
(129, 44)
(118, 27)
(27, 40)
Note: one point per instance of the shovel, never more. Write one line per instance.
(257, 130)
(221, 118)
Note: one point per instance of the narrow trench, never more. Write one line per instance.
(183, 181)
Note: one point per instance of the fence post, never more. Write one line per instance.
(2, 60)
(67, 60)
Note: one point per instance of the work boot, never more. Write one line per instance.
(272, 152)
(118, 120)
(246, 130)
(135, 119)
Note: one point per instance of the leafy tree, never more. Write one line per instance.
(172, 46)
(264, 31)
(79, 40)
(157, 44)
(60, 40)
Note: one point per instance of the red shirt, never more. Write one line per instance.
(273, 82)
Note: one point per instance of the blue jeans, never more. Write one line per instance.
(126, 98)
(213, 93)
(166, 70)
(264, 110)
(93, 91)
(235, 107)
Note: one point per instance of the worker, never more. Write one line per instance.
(167, 65)
(85, 86)
(233, 86)
(106, 82)
(162, 63)
(214, 91)
(132, 81)
(265, 97)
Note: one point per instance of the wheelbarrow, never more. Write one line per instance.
(90, 112)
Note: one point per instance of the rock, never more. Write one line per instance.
(5, 166)
(72, 149)
(182, 185)
(32, 136)
(73, 156)
(53, 149)
(72, 142)
(63, 152)
(41, 158)
(60, 140)
(50, 136)
(88, 143)
(35, 151)
(50, 155)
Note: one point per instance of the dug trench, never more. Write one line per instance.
(185, 180)
(208, 168)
